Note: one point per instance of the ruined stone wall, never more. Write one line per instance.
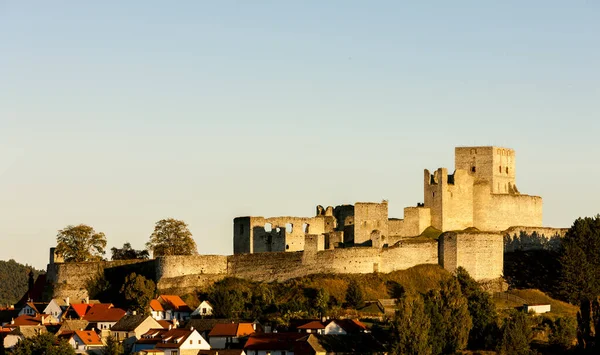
(450, 199)
(242, 235)
(416, 220)
(497, 212)
(368, 217)
(174, 266)
(481, 254)
(533, 238)
(494, 166)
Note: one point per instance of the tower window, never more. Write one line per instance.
(473, 169)
(507, 169)
(500, 168)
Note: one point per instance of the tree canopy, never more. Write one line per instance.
(14, 280)
(354, 295)
(128, 253)
(43, 344)
(171, 237)
(80, 243)
(138, 292)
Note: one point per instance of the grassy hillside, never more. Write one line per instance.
(14, 281)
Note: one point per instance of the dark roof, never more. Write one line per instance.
(129, 322)
(169, 338)
(205, 324)
(71, 325)
(351, 326)
(231, 330)
(7, 315)
(361, 343)
(273, 341)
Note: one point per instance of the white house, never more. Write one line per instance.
(57, 307)
(537, 308)
(169, 307)
(182, 342)
(131, 327)
(33, 309)
(204, 309)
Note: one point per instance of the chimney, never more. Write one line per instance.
(68, 301)
(191, 328)
(87, 299)
(134, 313)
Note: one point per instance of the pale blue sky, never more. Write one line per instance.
(117, 114)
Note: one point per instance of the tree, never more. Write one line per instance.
(80, 243)
(138, 292)
(580, 261)
(516, 335)
(171, 237)
(564, 331)
(354, 295)
(449, 316)
(43, 344)
(410, 328)
(112, 347)
(321, 302)
(482, 310)
(128, 253)
(227, 303)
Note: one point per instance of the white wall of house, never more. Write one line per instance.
(204, 309)
(54, 309)
(195, 341)
(539, 308)
(334, 328)
(158, 315)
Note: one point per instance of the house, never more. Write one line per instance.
(272, 343)
(322, 344)
(21, 332)
(85, 340)
(204, 309)
(169, 307)
(78, 310)
(33, 308)
(333, 327)
(71, 325)
(57, 307)
(224, 335)
(222, 352)
(40, 319)
(103, 316)
(387, 305)
(172, 342)
(205, 325)
(537, 308)
(131, 327)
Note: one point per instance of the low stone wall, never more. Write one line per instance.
(533, 238)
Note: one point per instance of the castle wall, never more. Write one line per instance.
(494, 166)
(368, 217)
(180, 265)
(450, 199)
(533, 238)
(416, 220)
(481, 254)
(497, 212)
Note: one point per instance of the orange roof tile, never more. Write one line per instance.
(272, 341)
(88, 337)
(175, 302)
(81, 308)
(104, 313)
(231, 330)
(312, 325)
(156, 306)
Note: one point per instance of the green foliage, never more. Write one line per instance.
(516, 334)
(354, 295)
(321, 302)
(14, 280)
(410, 328)
(43, 344)
(564, 331)
(450, 320)
(227, 302)
(80, 243)
(128, 253)
(483, 313)
(138, 292)
(588, 322)
(112, 347)
(580, 260)
(171, 237)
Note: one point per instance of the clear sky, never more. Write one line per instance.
(119, 113)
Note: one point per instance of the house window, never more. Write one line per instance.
(203, 310)
(192, 342)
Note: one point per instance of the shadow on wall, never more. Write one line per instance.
(531, 241)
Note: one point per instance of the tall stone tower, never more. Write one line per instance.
(493, 166)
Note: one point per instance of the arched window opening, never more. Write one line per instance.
(289, 228)
(268, 227)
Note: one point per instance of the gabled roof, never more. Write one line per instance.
(38, 307)
(173, 338)
(104, 313)
(88, 337)
(273, 341)
(361, 343)
(205, 324)
(29, 331)
(80, 309)
(351, 326)
(165, 324)
(152, 336)
(38, 319)
(173, 302)
(156, 306)
(71, 325)
(129, 322)
(315, 324)
(231, 330)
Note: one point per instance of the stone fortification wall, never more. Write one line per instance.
(369, 217)
(450, 199)
(498, 212)
(416, 220)
(533, 238)
(481, 254)
(175, 266)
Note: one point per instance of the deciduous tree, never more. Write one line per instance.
(138, 292)
(128, 253)
(516, 335)
(171, 237)
(43, 344)
(410, 328)
(354, 295)
(80, 243)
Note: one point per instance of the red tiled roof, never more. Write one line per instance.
(231, 330)
(174, 302)
(156, 306)
(80, 308)
(272, 341)
(104, 313)
(88, 337)
(312, 325)
(29, 320)
(165, 323)
(351, 325)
